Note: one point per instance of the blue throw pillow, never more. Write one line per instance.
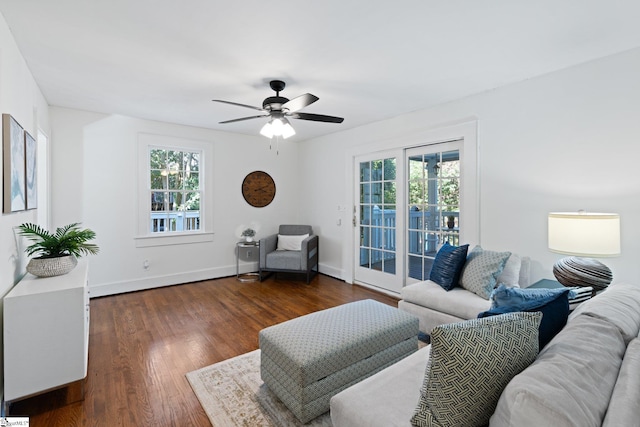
(521, 299)
(447, 265)
(555, 312)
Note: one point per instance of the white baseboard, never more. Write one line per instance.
(330, 271)
(186, 277)
(166, 280)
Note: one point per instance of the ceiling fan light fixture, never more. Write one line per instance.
(277, 127)
(267, 130)
(287, 129)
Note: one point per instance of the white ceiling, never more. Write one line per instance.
(366, 60)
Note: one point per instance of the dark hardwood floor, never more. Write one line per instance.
(143, 343)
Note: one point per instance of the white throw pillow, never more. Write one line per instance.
(510, 275)
(290, 243)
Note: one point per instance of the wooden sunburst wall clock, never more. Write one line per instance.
(258, 189)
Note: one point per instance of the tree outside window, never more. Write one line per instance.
(175, 190)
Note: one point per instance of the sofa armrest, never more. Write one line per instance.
(267, 244)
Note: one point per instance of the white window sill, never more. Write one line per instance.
(172, 239)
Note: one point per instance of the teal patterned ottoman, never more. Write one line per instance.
(305, 361)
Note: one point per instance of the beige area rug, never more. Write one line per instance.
(233, 394)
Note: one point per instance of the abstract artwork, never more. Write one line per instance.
(14, 165)
(30, 147)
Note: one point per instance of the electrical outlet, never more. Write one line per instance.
(146, 264)
(249, 254)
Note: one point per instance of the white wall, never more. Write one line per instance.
(95, 177)
(568, 140)
(20, 97)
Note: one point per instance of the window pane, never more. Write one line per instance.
(364, 258)
(416, 192)
(365, 214)
(415, 242)
(376, 196)
(450, 194)
(191, 181)
(431, 244)
(415, 268)
(432, 218)
(450, 164)
(158, 159)
(389, 169)
(415, 218)
(365, 193)
(159, 222)
(389, 192)
(376, 170)
(157, 179)
(178, 201)
(173, 182)
(365, 171)
(376, 260)
(158, 201)
(191, 162)
(192, 202)
(389, 265)
(174, 158)
(364, 236)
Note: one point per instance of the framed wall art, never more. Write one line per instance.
(13, 149)
(31, 153)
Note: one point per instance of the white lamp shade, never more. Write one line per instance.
(584, 233)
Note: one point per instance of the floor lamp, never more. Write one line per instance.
(585, 235)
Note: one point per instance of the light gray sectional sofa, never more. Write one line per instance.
(434, 306)
(588, 375)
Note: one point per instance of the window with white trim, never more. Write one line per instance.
(175, 191)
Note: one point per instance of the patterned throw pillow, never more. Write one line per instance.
(471, 362)
(447, 265)
(481, 271)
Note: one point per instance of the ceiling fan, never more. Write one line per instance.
(279, 108)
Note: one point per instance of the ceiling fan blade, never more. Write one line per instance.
(238, 104)
(299, 102)
(317, 117)
(244, 118)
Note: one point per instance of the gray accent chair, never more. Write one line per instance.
(303, 261)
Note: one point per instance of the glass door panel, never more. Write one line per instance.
(433, 210)
(377, 237)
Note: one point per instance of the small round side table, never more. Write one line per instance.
(246, 246)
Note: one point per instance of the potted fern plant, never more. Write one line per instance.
(57, 252)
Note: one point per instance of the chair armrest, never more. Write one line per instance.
(267, 244)
(308, 249)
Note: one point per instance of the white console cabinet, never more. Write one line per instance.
(46, 333)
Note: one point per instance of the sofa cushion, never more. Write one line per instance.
(554, 312)
(481, 271)
(571, 381)
(470, 364)
(447, 265)
(457, 302)
(623, 408)
(618, 304)
(369, 402)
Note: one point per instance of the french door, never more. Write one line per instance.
(407, 206)
(378, 228)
